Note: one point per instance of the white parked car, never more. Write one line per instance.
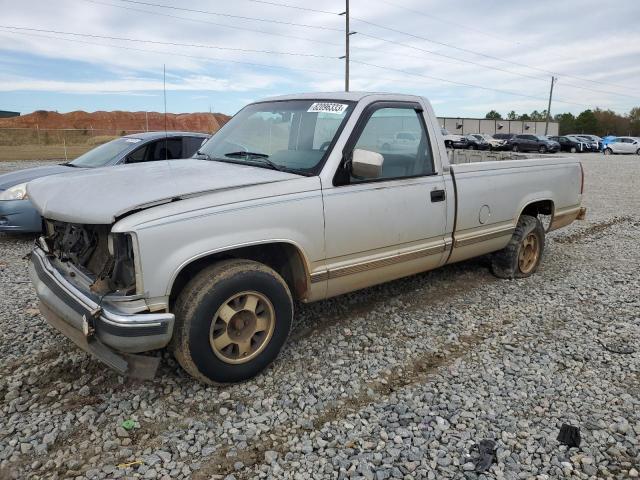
(452, 140)
(399, 141)
(292, 200)
(629, 145)
(496, 143)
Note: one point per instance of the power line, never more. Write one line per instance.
(448, 45)
(160, 52)
(21, 30)
(173, 44)
(406, 72)
(470, 85)
(207, 22)
(181, 55)
(306, 9)
(445, 20)
(267, 2)
(482, 65)
(255, 19)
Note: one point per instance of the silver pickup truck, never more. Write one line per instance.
(292, 200)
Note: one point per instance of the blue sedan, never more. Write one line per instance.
(17, 214)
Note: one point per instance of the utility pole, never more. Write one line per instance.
(347, 34)
(546, 127)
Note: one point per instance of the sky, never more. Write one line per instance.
(466, 57)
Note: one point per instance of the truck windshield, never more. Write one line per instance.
(105, 153)
(293, 135)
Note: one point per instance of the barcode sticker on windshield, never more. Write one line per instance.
(325, 107)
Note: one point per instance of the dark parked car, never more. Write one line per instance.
(593, 139)
(474, 142)
(17, 214)
(570, 144)
(533, 143)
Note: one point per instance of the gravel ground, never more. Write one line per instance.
(401, 380)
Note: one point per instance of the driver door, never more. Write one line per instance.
(388, 227)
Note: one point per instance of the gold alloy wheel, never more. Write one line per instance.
(529, 252)
(242, 327)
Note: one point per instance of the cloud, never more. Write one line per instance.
(516, 46)
(136, 85)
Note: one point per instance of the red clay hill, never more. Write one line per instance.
(118, 121)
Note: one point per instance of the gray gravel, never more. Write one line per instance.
(397, 381)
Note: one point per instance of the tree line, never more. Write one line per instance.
(595, 122)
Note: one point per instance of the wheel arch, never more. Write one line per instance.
(538, 207)
(284, 256)
(534, 208)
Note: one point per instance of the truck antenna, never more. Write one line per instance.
(164, 93)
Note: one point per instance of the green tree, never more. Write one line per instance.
(524, 117)
(493, 115)
(611, 123)
(586, 122)
(634, 121)
(566, 123)
(512, 115)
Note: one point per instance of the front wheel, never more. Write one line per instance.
(522, 255)
(542, 149)
(515, 148)
(608, 151)
(638, 152)
(574, 149)
(232, 319)
(471, 147)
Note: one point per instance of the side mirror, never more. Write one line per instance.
(366, 164)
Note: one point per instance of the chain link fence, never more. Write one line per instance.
(27, 143)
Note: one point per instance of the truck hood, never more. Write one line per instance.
(8, 180)
(100, 196)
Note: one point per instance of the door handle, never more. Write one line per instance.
(437, 195)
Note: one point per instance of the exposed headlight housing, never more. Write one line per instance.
(17, 192)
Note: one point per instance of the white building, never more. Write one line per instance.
(463, 126)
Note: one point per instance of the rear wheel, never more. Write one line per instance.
(471, 147)
(522, 255)
(232, 319)
(608, 151)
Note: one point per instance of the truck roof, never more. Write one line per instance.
(349, 96)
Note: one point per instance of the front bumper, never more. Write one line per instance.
(19, 216)
(110, 336)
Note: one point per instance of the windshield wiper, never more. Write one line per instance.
(69, 164)
(246, 154)
(261, 157)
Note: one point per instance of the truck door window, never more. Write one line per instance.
(399, 136)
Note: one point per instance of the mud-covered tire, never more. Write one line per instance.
(507, 263)
(197, 307)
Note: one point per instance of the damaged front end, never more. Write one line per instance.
(105, 258)
(89, 287)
